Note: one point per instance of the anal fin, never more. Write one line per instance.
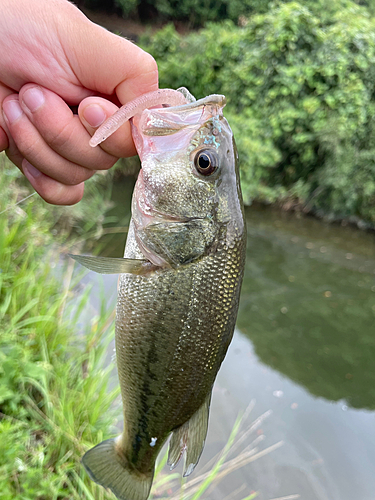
(190, 437)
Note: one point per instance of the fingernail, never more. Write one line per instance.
(33, 98)
(29, 170)
(94, 115)
(12, 110)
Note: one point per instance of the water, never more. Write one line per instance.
(304, 348)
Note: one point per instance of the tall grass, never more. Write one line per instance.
(242, 448)
(54, 397)
(55, 400)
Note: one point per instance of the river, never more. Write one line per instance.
(304, 348)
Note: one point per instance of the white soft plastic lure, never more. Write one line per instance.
(161, 97)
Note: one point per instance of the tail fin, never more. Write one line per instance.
(109, 469)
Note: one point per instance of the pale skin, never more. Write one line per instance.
(53, 58)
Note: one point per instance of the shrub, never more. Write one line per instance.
(300, 92)
(194, 12)
(197, 13)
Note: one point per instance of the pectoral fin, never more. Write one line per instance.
(110, 265)
(190, 437)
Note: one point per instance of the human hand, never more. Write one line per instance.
(68, 58)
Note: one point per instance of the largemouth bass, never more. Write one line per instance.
(178, 292)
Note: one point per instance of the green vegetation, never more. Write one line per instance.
(55, 400)
(195, 13)
(54, 397)
(300, 86)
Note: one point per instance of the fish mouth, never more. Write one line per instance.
(171, 120)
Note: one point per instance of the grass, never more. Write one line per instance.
(54, 397)
(241, 449)
(55, 400)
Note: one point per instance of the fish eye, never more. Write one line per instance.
(206, 162)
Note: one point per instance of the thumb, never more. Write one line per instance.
(109, 64)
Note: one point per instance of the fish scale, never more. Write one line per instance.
(183, 337)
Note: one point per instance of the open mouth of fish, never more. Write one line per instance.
(179, 100)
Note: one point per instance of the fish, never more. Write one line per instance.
(178, 293)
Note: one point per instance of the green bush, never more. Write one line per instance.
(127, 6)
(300, 92)
(196, 13)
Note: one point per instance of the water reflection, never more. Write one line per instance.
(308, 304)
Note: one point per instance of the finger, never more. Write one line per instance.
(50, 190)
(32, 147)
(92, 112)
(13, 153)
(120, 66)
(60, 129)
(4, 141)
